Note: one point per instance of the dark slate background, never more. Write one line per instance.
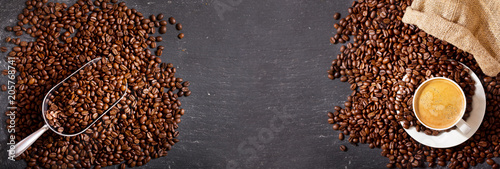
(260, 91)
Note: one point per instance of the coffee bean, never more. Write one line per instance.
(160, 16)
(343, 148)
(181, 35)
(333, 41)
(343, 79)
(163, 23)
(163, 30)
(159, 39)
(489, 161)
(345, 38)
(341, 136)
(4, 88)
(152, 18)
(3, 49)
(178, 26)
(487, 79)
(159, 52)
(336, 126)
(171, 20)
(336, 16)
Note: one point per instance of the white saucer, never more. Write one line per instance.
(455, 137)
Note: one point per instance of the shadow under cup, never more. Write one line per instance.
(439, 104)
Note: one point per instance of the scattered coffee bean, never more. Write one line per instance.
(4, 88)
(3, 49)
(171, 20)
(152, 18)
(489, 161)
(160, 16)
(178, 26)
(343, 148)
(163, 29)
(159, 39)
(181, 35)
(163, 23)
(336, 16)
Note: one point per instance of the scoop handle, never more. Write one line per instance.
(24, 144)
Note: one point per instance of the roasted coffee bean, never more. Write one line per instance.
(181, 35)
(341, 136)
(163, 23)
(152, 18)
(333, 41)
(160, 16)
(178, 26)
(163, 30)
(159, 39)
(336, 126)
(171, 20)
(159, 52)
(343, 148)
(489, 161)
(336, 16)
(3, 49)
(4, 88)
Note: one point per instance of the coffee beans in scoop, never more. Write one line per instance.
(85, 96)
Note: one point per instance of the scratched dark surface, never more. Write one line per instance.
(259, 85)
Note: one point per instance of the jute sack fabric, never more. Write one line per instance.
(471, 25)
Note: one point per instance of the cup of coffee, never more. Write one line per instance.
(439, 104)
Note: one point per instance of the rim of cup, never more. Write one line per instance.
(454, 83)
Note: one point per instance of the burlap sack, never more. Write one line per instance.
(471, 25)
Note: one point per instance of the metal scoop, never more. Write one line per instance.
(24, 144)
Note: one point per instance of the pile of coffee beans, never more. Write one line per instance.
(85, 96)
(384, 64)
(143, 124)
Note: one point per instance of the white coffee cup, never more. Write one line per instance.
(462, 126)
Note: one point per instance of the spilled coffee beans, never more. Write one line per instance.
(385, 63)
(141, 127)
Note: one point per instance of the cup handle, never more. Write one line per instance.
(463, 126)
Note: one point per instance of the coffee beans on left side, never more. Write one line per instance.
(141, 127)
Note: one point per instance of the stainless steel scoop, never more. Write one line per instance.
(24, 144)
